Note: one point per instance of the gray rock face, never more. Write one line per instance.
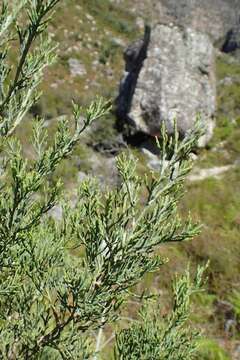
(214, 17)
(169, 75)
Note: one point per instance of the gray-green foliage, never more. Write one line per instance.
(18, 89)
(62, 280)
(168, 339)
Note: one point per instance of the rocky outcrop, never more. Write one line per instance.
(169, 75)
(214, 17)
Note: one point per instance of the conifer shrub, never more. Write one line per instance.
(63, 280)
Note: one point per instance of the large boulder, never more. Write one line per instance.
(169, 75)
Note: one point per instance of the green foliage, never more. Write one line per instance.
(18, 85)
(226, 66)
(111, 15)
(61, 280)
(210, 350)
(107, 51)
(153, 338)
(228, 74)
(204, 303)
(235, 300)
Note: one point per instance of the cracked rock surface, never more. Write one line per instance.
(170, 74)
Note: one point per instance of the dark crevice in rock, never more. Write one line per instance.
(137, 139)
(232, 39)
(143, 140)
(134, 57)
